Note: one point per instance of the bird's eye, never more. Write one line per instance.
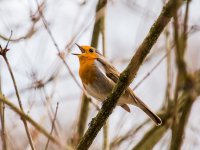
(91, 50)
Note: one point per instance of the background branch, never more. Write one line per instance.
(185, 103)
(32, 122)
(3, 53)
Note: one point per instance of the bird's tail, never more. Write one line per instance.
(145, 108)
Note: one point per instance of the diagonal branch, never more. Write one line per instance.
(127, 76)
(61, 55)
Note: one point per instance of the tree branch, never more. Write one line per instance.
(52, 127)
(3, 53)
(148, 142)
(32, 122)
(184, 81)
(2, 118)
(185, 103)
(127, 76)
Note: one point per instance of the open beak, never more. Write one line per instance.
(75, 54)
(81, 49)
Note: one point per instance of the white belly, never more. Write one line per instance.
(95, 92)
(102, 87)
(101, 94)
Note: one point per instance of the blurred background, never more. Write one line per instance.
(44, 33)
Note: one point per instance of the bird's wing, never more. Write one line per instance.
(110, 71)
(113, 74)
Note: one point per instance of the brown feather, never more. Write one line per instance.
(113, 74)
(125, 107)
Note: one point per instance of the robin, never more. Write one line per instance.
(99, 77)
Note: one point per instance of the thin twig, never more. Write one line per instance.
(3, 53)
(33, 123)
(35, 85)
(20, 103)
(129, 134)
(152, 69)
(52, 127)
(30, 32)
(168, 50)
(50, 111)
(28, 35)
(60, 54)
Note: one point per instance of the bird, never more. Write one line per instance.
(99, 76)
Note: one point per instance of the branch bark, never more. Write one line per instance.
(127, 76)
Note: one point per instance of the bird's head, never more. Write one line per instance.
(87, 52)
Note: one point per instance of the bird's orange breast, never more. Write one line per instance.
(87, 70)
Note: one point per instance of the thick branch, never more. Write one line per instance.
(127, 76)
